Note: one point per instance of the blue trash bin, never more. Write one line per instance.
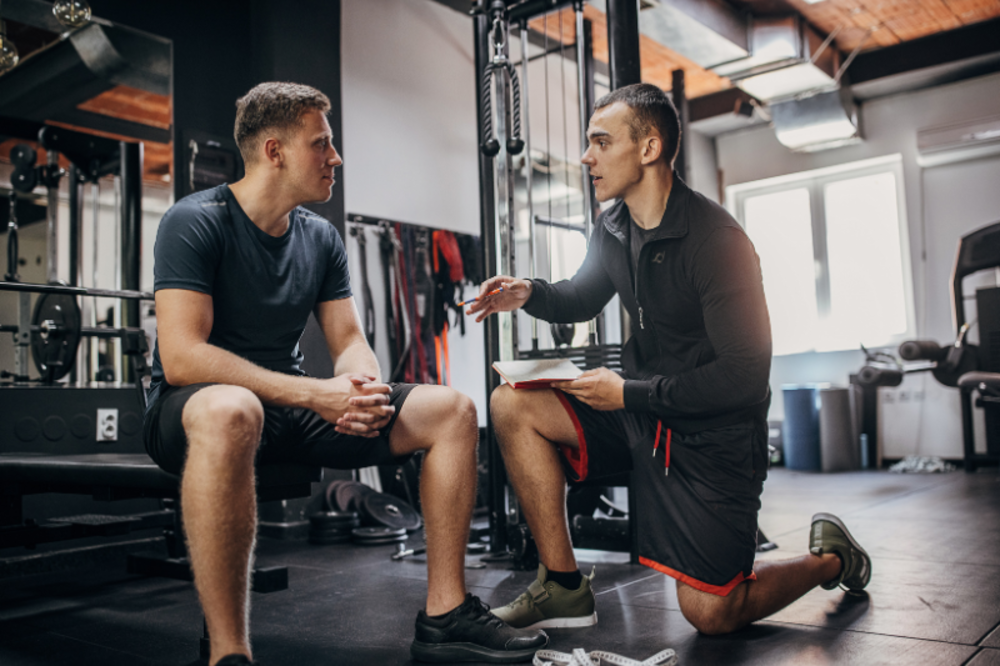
(817, 430)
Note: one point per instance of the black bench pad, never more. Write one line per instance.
(124, 470)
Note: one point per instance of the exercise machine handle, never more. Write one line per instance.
(922, 350)
(872, 376)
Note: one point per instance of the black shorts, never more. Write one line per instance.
(291, 434)
(698, 494)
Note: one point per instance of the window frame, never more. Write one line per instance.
(815, 182)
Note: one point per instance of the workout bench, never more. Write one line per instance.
(119, 476)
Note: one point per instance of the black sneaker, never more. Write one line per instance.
(471, 633)
(234, 660)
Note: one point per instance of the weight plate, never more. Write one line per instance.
(322, 519)
(389, 511)
(326, 540)
(380, 542)
(23, 155)
(346, 495)
(53, 348)
(377, 532)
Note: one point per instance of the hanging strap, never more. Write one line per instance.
(367, 303)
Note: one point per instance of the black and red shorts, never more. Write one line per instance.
(697, 494)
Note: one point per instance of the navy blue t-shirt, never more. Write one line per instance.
(262, 287)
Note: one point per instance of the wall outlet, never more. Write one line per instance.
(107, 425)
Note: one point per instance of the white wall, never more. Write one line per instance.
(409, 105)
(703, 170)
(410, 143)
(938, 213)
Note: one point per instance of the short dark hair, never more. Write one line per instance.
(651, 108)
(273, 106)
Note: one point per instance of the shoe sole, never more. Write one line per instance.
(830, 518)
(458, 652)
(565, 622)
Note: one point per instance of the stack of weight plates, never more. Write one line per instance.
(326, 527)
(376, 536)
(374, 508)
(346, 495)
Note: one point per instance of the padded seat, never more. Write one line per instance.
(34, 472)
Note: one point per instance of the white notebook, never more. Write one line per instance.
(536, 373)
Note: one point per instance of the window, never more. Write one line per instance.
(833, 253)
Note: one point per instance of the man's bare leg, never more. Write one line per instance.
(778, 584)
(528, 424)
(443, 423)
(219, 507)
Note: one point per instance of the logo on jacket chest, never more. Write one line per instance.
(659, 257)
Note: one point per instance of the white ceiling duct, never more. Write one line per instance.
(818, 122)
(707, 32)
(787, 58)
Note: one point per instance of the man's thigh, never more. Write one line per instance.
(163, 427)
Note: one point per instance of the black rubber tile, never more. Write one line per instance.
(49, 648)
(985, 657)
(791, 498)
(993, 640)
(640, 633)
(959, 603)
(971, 498)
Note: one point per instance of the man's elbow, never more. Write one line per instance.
(176, 369)
(173, 375)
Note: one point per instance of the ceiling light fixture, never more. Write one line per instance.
(72, 13)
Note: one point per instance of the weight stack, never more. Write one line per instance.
(329, 527)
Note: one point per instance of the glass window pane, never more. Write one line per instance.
(780, 227)
(867, 297)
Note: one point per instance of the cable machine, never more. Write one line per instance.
(51, 331)
(502, 94)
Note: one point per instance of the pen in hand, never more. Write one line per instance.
(473, 300)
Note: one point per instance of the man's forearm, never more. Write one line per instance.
(207, 363)
(359, 358)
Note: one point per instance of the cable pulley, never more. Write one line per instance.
(501, 65)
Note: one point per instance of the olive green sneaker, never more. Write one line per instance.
(548, 604)
(829, 535)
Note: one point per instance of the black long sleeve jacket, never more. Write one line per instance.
(700, 352)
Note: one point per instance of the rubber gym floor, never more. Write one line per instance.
(934, 597)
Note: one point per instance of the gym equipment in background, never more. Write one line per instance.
(499, 178)
(961, 364)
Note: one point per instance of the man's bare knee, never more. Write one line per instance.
(709, 614)
(508, 409)
(501, 402)
(229, 417)
(460, 419)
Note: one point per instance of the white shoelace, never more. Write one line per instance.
(599, 657)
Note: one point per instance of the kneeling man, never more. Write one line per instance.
(238, 269)
(688, 415)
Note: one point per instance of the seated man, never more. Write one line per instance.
(238, 269)
(687, 416)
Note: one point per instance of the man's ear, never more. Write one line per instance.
(272, 151)
(652, 148)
